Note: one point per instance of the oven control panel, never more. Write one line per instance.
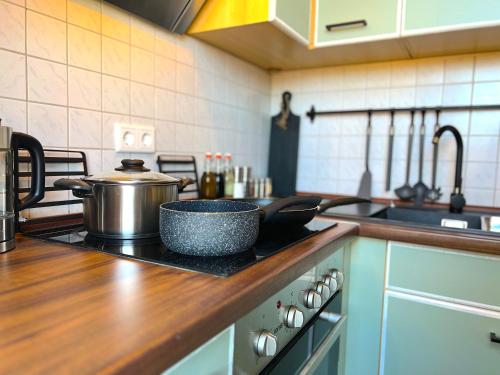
(267, 329)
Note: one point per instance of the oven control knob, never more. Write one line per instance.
(312, 299)
(294, 318)
(266, 344)
(331, 282)
(339, 276)
(323, 290)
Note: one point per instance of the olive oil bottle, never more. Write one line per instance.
(208, 188)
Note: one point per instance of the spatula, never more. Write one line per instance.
(365, 186)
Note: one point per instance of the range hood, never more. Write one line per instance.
(175, 15)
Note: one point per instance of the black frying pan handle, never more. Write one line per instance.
(37, 184)
(80, 188)
(341, 202)
(271, 209)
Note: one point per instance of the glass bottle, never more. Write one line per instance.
(208, 189)
(219, 176)
(228, 175)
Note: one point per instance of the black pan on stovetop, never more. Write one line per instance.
(299, 215)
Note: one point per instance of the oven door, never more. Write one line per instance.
(316, 348)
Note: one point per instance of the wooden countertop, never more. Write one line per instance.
(484, 242)
(68, 310)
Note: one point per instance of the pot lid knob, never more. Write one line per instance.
(132, 165)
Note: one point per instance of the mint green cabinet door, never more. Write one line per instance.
(364, 306)
(295, 14)
(435, 340)
(381, 18)
(212, 358)
(428, 14)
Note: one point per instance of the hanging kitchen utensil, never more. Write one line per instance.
(365, 186)
(124, 203)
(406, 192)
(389, 154)
(420, 188)
(220, 227)
(284, 149)
(434, 194)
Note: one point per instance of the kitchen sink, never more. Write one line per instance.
(430, 216)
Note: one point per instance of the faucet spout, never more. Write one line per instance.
(457, 200)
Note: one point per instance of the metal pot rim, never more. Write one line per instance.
(255, 209)
(132, 182)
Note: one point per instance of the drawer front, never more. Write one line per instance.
(381, 17)
(429, 339)
(453, 274)
(429, 14)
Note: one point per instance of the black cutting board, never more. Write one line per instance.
(283, 154)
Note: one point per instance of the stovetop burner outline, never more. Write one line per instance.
(153, 250)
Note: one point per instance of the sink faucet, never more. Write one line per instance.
(457, 200)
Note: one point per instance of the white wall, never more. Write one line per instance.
(71, 69)
(332, 148)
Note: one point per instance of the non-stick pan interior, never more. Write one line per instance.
(215, 206)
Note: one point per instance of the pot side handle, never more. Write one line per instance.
(271, 209)
(184, 182)
(80, 188)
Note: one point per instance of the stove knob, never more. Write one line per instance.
(331, 282)
(266, 344)
(312, 299)
(323, 290)
(294, 318)
(339, 276)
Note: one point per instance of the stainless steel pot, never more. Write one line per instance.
(124, 203)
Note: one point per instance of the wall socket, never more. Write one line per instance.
(134, 138)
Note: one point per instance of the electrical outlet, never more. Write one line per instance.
(134, 138)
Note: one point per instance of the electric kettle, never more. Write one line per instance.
(10, 143)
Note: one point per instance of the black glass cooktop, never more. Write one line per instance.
(153, 250)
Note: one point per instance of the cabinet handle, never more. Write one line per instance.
(332, 26)
(494, 338)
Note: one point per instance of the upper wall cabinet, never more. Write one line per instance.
(290, 17)
(353, 21)
(277, 34)
(293, 34)
(430, 16)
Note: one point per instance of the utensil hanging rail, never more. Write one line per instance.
(312, 113)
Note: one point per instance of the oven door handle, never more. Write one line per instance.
(324, 348)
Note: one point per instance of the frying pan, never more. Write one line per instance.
(298, 215)
(223, 227)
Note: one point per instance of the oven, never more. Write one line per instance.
(316, 348)
(300, 329)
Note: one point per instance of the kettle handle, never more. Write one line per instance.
(37, 185)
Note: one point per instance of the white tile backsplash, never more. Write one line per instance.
(12, 27)
(84, 48)
(84, 89)
(49, 124)
(46, 37)
(440, 81)
(13, 84)
(89, 65)
(53, 8)
(85, 128)
(115, 94)
(47, 81)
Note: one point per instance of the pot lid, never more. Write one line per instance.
(132, 171)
